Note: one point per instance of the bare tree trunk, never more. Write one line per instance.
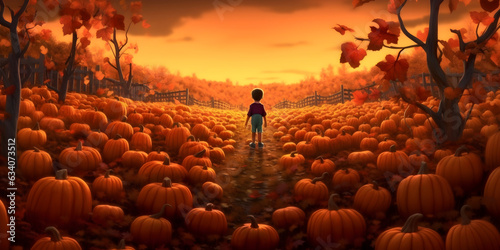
(68, 71)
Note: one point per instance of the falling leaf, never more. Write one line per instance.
(135, 6)
(481, 17)
(359, 97)
(136, 18)
(85, 42)
(110, 93)
(104, 33)
(453, 4)
(489, 5)
(86, 80)
(99, 75)
(46, 81)
(117, 21)
(101, 91)
(145, 24)
(342, 29)
(351, 54)
(388, 31)
(422, 35)
(357, 3)
(394, 70)
(43, 50)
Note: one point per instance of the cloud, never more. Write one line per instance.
(288, 71)
(288, 45)
(182, 39)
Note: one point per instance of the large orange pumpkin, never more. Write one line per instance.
(55, 241)
(491, 155)
(206, 223)
(156, 171)
(491, 197)
(107, 187)
(114, 149)
(4, 220)
(175, 138)
(28, 138)
(255, 236)
(152, 230)
(288, 217)
(372, 200)
(35, 164)
(312, 192)
(80, 159)
(396, 162)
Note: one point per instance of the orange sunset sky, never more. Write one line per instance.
(260, 40)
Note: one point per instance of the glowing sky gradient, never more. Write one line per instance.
(259, 41)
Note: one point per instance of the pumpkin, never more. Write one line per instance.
(157, 155)
(214, 141)
(217, 155)
(35, 164)
(96, 139)
(79, 130)
(52, 124)
(156, 171)
(121, 245)
(424, 193)
(313, 191)
(4, 220)
(372, 200)
(80, 159)
(388, 126)
(441, 153)
(107, 187)
(115, 109)
(135, 119)
(321, 142)
(154, 195)
(345, 179)
(200, 131)
(491, 155)
(152, 230)
(24, 122)
(37, 116)
(333, 224)
(396, 162)
(212, 190)
(107, 216)
(320, 165)
(197, 159)
(289, 146)
(228, 149)
(206, 223)
(472, 234)
(201, 174)
(97, 120)
(175, 138)
(343, 141)
(26, 108)
(307, 149)
(410, 236)
(55, 241)
(166, 121)
(385, 144)
(134, 159)
(463, 172)
(114, 149)
(28, 138)
(191, 147)
(141, 141)
(491, 197)
(121, 128)
(70, 201)
(288, 217)
(417, 158)
(368, 143)
(361, 158)
(254, 236)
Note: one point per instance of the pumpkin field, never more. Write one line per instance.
(108, 146)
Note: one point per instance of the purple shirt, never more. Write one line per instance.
(257, 108)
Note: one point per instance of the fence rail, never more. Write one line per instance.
(83, 80)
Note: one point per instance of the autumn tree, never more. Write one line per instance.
(448, 118)
(17, 27)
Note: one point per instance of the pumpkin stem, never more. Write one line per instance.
(200, 154)
(331, 202)
(141, 127)
(322, 177)
(321, 159)
(343, 132)
(411, 225)
(205, 167)
(117, 137)
(254, 222)
(392, 149)
(35, 149)
(162, 211)
(108, 172)
(463, 214)
(124, 118)
(79, 146)
(55, 236)
(346, 170)
(176, 124)
(460, 150)
(158, 150)
(121, 245)
(423, 168)
(166, 162)
(167, 182)
(36, 127)
(191, 137)
(62, 174)
(209, 207)
(375, 185)
(292, 154)
(386, 138)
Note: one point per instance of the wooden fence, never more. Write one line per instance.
(83, 80)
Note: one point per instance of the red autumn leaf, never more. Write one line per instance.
(388, 31)
(117, 21)
(359, 97)
(422, 35)
(375, 95)
(254, 194)
(69, 24)
(135, 6)
(104, 33)
(481, 17)
(101, 91)
(454, 3)
(145, 24)
(9, 90)
(84, 41)
(357, 3)
(342, 29)
(394, 70)
(489, 5)
(393, 6)
(447, 50)
(136, 18)
(45, 34)
(51, 4)
(351, 54)
(422, 93)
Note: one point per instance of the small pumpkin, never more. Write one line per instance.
(55, 241)
(217, 155)
(152, 230)
(320, 165)
(212, 190)
(35, 164)
(156, 171)
(200, 131)
(157, 155)
(28, 138)
(141, 141)
(107, 187)
(114, 149)
(201, 174)
(107, 216)
(372, 200)
(206, 223)
(176, 137)
(291, 162)
(312, 192)
(121, 128)
(191, 147)
(134, 159)
(197, 159)
(254, 236)
(346, 179)
(396, 162)
(80, 159)
(96, 139)
(288, 217)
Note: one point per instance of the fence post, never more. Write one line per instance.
(315, 98)
(342, 93)
(213, 103)
(41, 69)
(187, 96)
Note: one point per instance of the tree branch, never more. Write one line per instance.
(126, 37)
(403, 27)
(460, 39)
(3, 22)
(468, 71)
(112, 65)
(112, 48)
(21, 10)
(130, 76)
(23, 51)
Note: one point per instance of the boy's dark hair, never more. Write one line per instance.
(257, 94)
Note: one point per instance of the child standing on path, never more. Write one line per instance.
(257, 112)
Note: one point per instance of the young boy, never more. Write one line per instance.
(257, 112)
